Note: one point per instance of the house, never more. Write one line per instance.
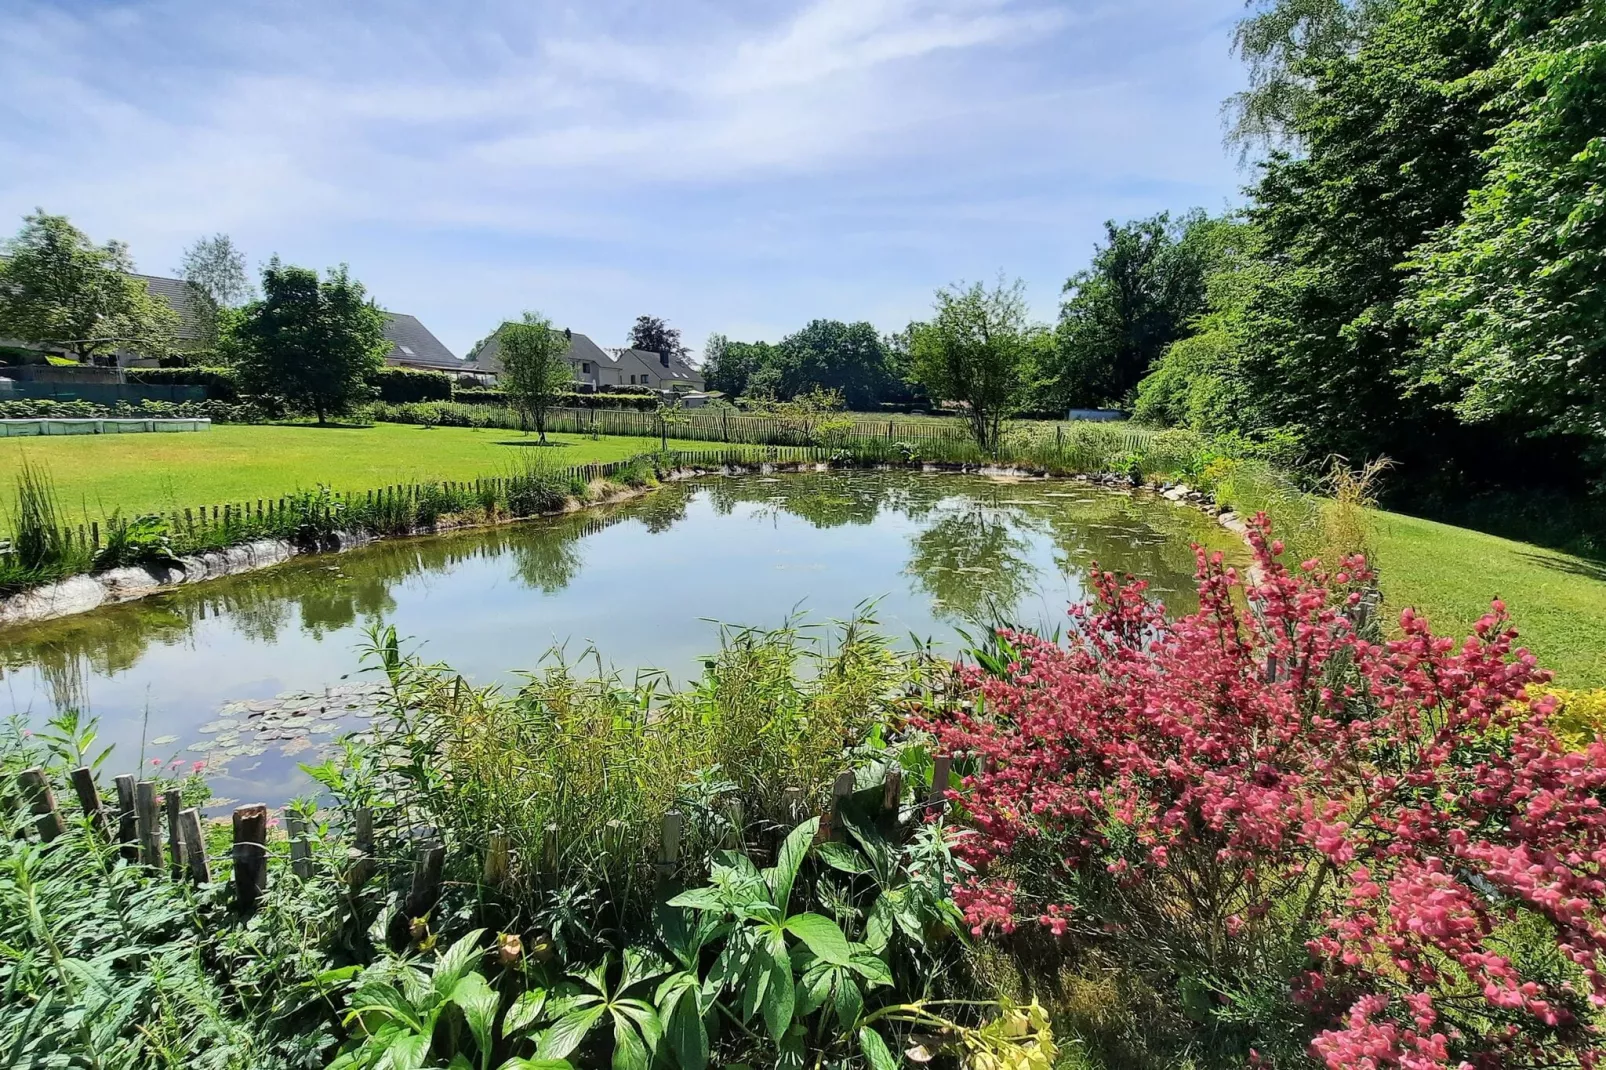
(413, 346)
(177, 294)
(598, 367)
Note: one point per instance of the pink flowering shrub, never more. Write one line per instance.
(1315, 847)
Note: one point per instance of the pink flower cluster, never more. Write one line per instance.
(1260, 774)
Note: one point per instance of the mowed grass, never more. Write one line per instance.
(96, 474)
(1556, 601)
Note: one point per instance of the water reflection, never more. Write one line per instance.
(638, 580)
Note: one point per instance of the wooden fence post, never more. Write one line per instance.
(250, 855)
(42, 801)
(173, 802)
(669, 845)
(426, 890)
(940, 775)
(295, 826)
(732, 840)
(831, 820)
(83, 784)
(361, 851)
(195, 846)
(125, 816)
(497, 859)
(147, 824)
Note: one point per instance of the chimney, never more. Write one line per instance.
(663, 358)
(568, 335)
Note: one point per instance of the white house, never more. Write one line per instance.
(600, 367)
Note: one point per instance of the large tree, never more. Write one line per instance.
(1144, 288)
(976, 351)
(1513, 297)
(534, 372)
(59, 290)
(651, 334)
(311, 343)
(213, 270)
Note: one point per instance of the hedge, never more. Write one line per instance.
(221, 412)
(399, 386)
(640, 402)
(221, 384)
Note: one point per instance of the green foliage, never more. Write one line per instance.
(1144, 288)
(850, 359)
(216, 411)
(1510, 297)
(400, 385)
(59, 289)
(213, 270)
(312, 343)
(976, 351)
(221, 383)
(534, 373)
(652, 335)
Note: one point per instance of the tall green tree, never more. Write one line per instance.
(831, 355)
(730, 366)
(1142, 291)
(1393, 139)
(1512, 299)
(534, 372)
(59, 290)
(312, 343)
(976, 351)
(213, 270)
(653, 335)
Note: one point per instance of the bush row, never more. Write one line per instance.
(221, 412)
(608, 398)
(397, 385)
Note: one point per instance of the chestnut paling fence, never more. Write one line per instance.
(150, 826)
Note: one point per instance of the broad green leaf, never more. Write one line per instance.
(849, 1003)
(871, 968)
(777, 1001)
(646, 1018)
(822, 935)
(639, 967)
(683, 1028)
(699, 899)
(525, 1010)
(878, 924)
(457, 961)
(380, 999)
(517, 1063)
(629, 1053)
(876, 1051)
(788, 860)
(407, 1052)
(564, 1035)
(479, 1004)
(841, 856)
(459, 1062)
(813, 989)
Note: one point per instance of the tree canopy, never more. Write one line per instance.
(213, 270)
(653, 335)
(976, 351)
(308, 342)
(59, 290)
(534, 372)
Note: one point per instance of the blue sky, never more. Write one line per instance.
(740, 167)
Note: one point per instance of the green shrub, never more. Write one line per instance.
(402, 385)
(221, 384)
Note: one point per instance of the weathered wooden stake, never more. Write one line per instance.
(497, 859)
(940, 769)
(295, 826)
(426, 889)
(669, 845)
(148, 829)
(732, 840)
(42, 801)
(892, 791)
(549, 847)
(125, 816)
(250, 855)
(83, 784)
(194, 846)
(831, 820)
(173, 802)
(361, 851)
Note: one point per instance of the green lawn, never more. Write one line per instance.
(94, 474)
(1558, 602)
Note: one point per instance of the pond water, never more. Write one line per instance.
(257, 673)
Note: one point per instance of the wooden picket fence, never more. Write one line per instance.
(157, 831)
(721, 426)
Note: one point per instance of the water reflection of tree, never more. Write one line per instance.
(974, 561)
(827, 499)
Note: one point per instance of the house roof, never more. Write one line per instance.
(177, 293)
(677, 368)
(414, 346)
(487, 358)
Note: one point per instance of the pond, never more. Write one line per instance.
(257, 673)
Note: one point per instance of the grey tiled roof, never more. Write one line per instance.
(413, 346)
(677, 369)
(487, 360)
(176, 292)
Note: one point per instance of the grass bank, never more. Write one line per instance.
(1557, 601)
(96, 474)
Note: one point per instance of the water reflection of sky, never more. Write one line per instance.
(641, 582)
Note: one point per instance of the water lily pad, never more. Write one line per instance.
(218, 725)
(162, 741)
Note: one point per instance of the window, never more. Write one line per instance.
(585, 367)
(632, 380)
(406, 349)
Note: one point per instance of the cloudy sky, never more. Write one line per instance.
(732, 165)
